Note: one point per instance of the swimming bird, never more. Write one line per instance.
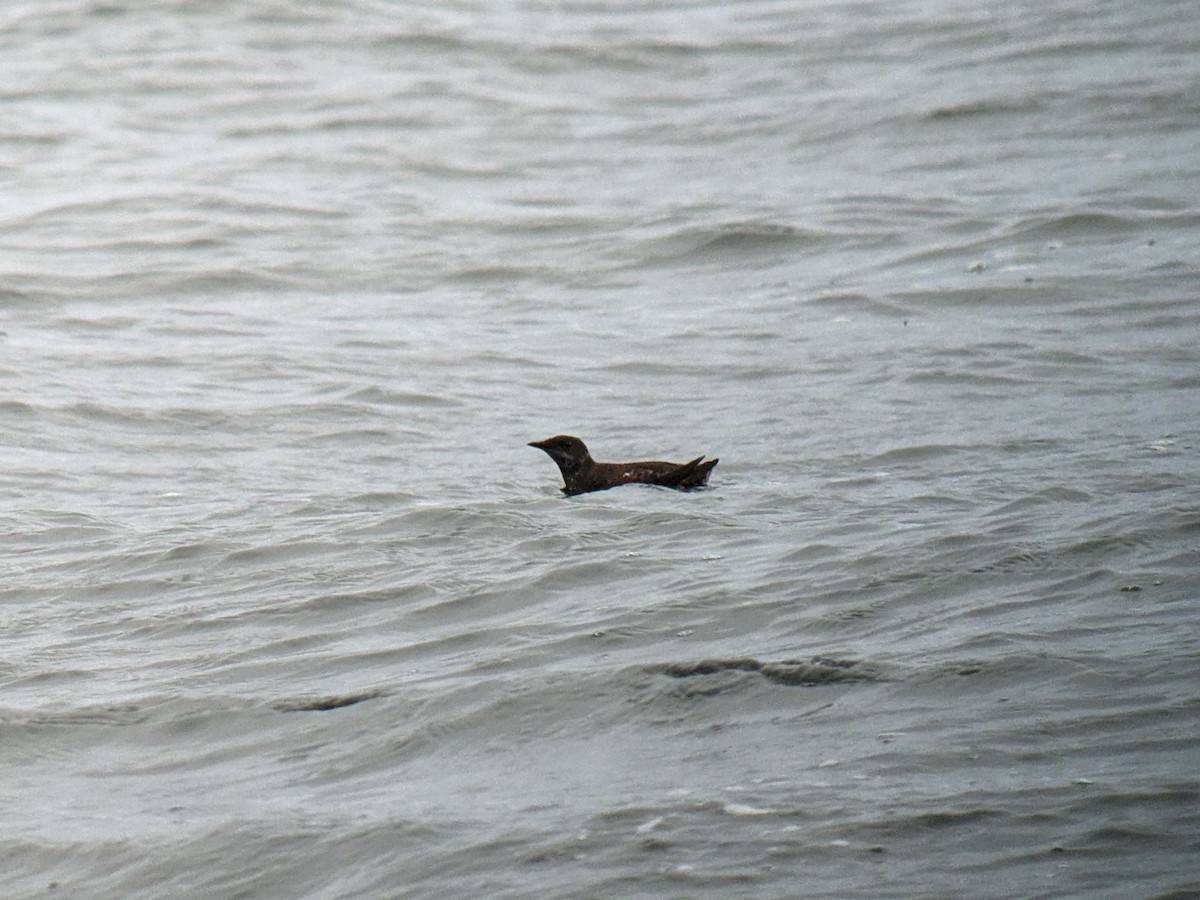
(581, 473)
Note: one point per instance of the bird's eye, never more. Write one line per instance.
(564, 444)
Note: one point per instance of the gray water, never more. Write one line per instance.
(289, 608)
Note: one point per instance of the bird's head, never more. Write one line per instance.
(569, 452)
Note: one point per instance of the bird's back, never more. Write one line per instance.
(691, 474)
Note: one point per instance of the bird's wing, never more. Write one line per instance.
(682, 474)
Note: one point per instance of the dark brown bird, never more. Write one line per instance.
(581, 473)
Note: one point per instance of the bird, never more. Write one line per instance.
(581, 473)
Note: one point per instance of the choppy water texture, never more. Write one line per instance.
(288, 607)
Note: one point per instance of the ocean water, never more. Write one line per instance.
(289, 608)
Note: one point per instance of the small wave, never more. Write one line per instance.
(100, 412)
(1047, 497)
(107, 716)
(976, 379)
(1077, 46)
(791, 672)
(846, 303)
(636, 368)
(437, 42)
(925, 822)
(978, 108)
(30, 138)
(201, 205)
(216, 280)
(326, 703)
(920, 453)
(732, 238)
(497, 274)
(1073, 225)
(17, 408)
(378, 396)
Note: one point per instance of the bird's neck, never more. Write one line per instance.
(575, 471)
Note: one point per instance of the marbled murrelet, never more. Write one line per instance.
(581, 473)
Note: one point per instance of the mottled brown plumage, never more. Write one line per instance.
(581, 473)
